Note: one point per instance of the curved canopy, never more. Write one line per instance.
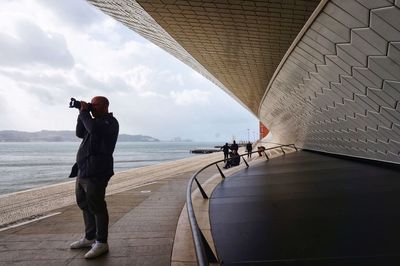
(323, 75)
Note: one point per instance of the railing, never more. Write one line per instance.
(204, 253)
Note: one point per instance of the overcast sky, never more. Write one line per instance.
(52, 50)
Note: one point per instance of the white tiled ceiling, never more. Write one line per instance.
(236, 44)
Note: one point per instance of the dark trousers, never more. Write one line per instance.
(226, 156)
(90, 194)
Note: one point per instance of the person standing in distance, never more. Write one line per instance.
(249, 149)
(225, 148)
(234, 147)
(99, 133)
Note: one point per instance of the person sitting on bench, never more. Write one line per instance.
(234, 160)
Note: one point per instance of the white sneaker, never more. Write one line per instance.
(97, 250)
(82, 243)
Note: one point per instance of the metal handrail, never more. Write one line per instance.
(203, 249)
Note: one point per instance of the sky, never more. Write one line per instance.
(52, 50)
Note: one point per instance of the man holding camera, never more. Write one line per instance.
(95, 165)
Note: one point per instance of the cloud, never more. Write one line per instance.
(172, 78)
(76, 13)
(101, 82)
(48, 86)
(30, 45)
(51, 50)
(139, 78)
(190, 97)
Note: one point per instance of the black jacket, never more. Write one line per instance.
(234, 147)
(235, 160)
(95, 154)
(225, 148)
(249, 147)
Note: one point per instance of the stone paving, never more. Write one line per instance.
(142, 228)
(143, 220)
(24, 205)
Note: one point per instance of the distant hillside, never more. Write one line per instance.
(136, 138)
(60, 136)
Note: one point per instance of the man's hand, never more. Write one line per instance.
(84, 106)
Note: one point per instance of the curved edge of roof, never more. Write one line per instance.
(146, 26)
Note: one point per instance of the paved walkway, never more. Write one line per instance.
(144, 207)
(24, 205)
(308, 209)
(143, 219)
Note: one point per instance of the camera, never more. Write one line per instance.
(77, 104)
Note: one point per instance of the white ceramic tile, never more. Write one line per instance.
(335, 9)
(379, 23)
(394, 52)
(327, 33)
(319, 37)
(351, 55)
(334, 26)
(353, 7)
(371, 4)
(384, 67)
(338, 62)
(366, 77)
(312, 51)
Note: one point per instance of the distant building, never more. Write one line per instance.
(263, 131)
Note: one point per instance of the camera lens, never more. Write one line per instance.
(74, 103)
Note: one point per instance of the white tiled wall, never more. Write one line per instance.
(339, 90)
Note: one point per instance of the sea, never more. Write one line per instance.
(26, 165)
